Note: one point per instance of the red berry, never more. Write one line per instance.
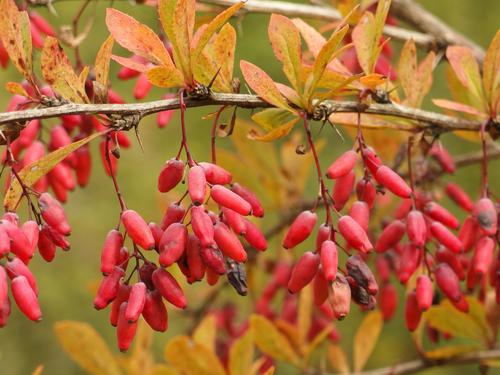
(342, 189)
(125, 329)
(412, 312)
(324, 233)
(154, 312)
(468, 233)
(416, 228)
(174, 214)
(460, 197)
(142, 87)
(388, 301)
(136, 301)
(172, 244)
(390, 236)
(447, 238)
(197, 185)
(320, 288)
(53, 214)
(410, 259)
(46, 247)
(16, 267)
(341, 297)
(448, 282)
(424, 292)
(231, 200)
(122, 296)
(300, 229)
(170, 175)
(169, 288)
(4, 288)
(304, 271)
(216, 175)
(343, 165)
(4, 312)
(234, 220)
(254, 236)
(19, 245)
(138, 229)
(329, 260)
(443, 255)
(4, 242)
(228, 243)
(108, 289)
(487, 216)
(393, 182)
(443, 157)
(31, 231)
(371, 160)
(202, 225)
(354, 234)
(41, 23)
(157, 233)
(250, 197)
(26, 298)
(483, 256)
(213, 259)
(360, 212)
(193, 256)
(366, 192)
(441, 214)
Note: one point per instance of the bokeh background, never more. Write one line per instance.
(67, 282)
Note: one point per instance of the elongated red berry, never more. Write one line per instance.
(486, 215)
(138, 229)
(4, 242)
(416, 228)
(197, 185)
(383, 268)
(254, 236)
(19, 243)
(108, 289)
(215, 174)
(388, 301)
(15, 267)
(122, 296)
(234, 220)
(448, 282)
(31, 230)
(441, 214)
(46, 247)
(366, 192)
(410, 259)
(412, 312)
(170, 175)
(136, 301)
(4, 287)
(172, 244)
(390, 236)
(360, 212)
(83, 166)
(169, 288)
(424, 292)
(483, 256)
(445, 237)
(460, 197)
(154, 312)
(304, 271)
(202, 225)
(157, 233)
(393, 182)
(250, 197)
(213, 259)
(324, 233)
(228, 243)
(110, 253)
(41, 23)
(174, 214)
(300, 229)
(142, 87)
(343, 165)
(193, 257)
(125, 328)
(329, 259)
(231, 200)
(320, 288)
(26, 298)
(469, 232)
(342, 189)
(443, 157)
(341, 297)
(443, 255)
(354, 234)
(371, 159)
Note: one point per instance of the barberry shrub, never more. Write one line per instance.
(338, 175)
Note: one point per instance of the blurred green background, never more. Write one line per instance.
(65, 283)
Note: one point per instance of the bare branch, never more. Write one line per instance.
(420, 119)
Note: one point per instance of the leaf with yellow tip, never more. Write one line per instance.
(491, 74)
(277, 132)
(366, 338)
(15, 88)
(161, 369)
(338, 359)
(205, 332)
(241, 355)
(163, 76)
(304, 314)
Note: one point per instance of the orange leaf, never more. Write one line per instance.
(137, 38)
(59, 74)
(366, 338)
(131, 63)
(101, 66)
(263, 85)
(458, 107)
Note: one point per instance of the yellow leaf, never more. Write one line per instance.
(38, 370)
(161, 369)
(338, 359)
(291, 332)
(270, 118)
(192, 358)
(206, 332)
(276, 133)
(304, 314)
(263, 85)
(241, 355)
(16, 88)
(59, 74)
(31, 173)
(101, 66)
(491, 74)
(448, 352)
(270, 341)
(16, 37)
(317, 341)
(163, 76)
(84, 345)
(446, 318)
(141, 357)
(366, 338)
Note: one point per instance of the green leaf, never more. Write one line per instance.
(59, 74)
(285, 40)
(137, 38)
(16, 37)
(263, 85)
(366, 338)
(86, 347)
(241, 355)
(31, 173)
(491, 74)
(271, 341)
(270, 118)
(192, 358)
